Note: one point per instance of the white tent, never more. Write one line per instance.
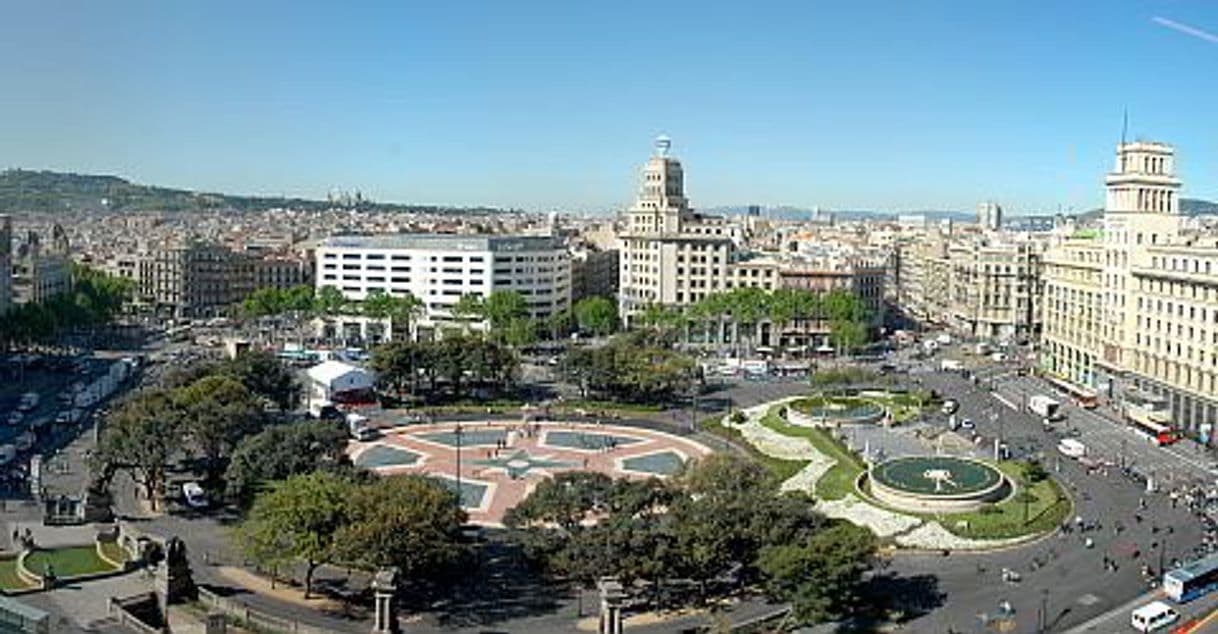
(335, 377)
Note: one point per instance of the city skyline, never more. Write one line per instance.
(552, 107)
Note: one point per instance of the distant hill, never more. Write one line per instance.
(28, 191)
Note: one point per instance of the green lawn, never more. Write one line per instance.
(838, 482)
(67, 562)
(1046, 509)
(782, 469)
(9, 579)
(113, 551)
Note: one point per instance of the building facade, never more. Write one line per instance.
(670, 255)
(440, 269)
(989, 215)
(1132, 311)
(41, 270)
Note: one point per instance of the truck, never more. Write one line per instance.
(951, 365)
(1044, 406)
(361, 429)
(1072, 448)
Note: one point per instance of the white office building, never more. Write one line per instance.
(439, 269)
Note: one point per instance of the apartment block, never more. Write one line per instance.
(1132, 311)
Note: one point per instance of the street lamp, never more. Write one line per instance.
(1044, 611)
(457, 432)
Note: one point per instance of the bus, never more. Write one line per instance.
(1083, 397)
(1149, 416)
(1191, 581)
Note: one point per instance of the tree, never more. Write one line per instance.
(565, 500)
(469, 306)
(409, 521)
(330, 301)
(265, 375)
(501, 308)
(217, 412)
(282, 451)
(847, 336)
(141, 436)
(597, 315)
(819, 575)
(298, 519)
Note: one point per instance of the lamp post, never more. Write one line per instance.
(1044, 611)
(457, 432)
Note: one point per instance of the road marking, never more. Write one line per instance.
(1197, 625)
(1001, 398)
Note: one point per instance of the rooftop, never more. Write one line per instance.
(450, 242)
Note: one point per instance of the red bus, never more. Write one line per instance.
(1083, 397)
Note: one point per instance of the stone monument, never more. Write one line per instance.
(174, 583)
(385, 588)
(612, 596)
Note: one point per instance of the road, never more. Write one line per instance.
(1071, 583)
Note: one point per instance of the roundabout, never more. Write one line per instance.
(937, 484)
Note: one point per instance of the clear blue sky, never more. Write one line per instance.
(545, 105)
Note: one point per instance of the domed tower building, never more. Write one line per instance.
(1131, 311)
(671, 256)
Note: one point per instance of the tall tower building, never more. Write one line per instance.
(661, 205)
(1141, 209)
(989, 215)
(670, 255)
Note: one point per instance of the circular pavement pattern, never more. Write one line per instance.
(500, 463)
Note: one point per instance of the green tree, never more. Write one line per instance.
(298, 519)
(820, 574)
(282, 451)
(141, 436)
(469, 306)
(596, 315)
(501, 308)
(217, 412)
(409, 521)
(262, 373)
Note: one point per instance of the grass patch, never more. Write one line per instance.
(113, 551)
(836, 483)
(67, 562)
(1047, 507)
(9, 579)
(782, 469)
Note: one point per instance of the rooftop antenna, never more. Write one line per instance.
(1124, 126)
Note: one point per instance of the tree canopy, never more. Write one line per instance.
(628, 369)
(720, 525)
(282, 451)
(596, 315)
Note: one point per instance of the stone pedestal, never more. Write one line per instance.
(174, 583)
(612, 596)
(385, 588)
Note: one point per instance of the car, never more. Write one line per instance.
(195, 496)
(967, 423)
(950, 406)
(15, 418)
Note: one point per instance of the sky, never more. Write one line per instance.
(554, 105)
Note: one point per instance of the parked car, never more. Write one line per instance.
(194, 495)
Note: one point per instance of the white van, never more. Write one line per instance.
(1072, 448)
(1153, 616)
